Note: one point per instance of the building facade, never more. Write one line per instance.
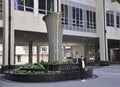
(91, 28)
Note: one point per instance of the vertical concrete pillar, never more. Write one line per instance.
(57, 5)
(38, 56)
(101, 30)
(5, 32)
(30, 51)
(8, 33)
(36, 8)
(12, 43)
(55, 35)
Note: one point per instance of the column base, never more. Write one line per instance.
(104, 63)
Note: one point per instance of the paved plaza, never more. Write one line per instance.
(108, 76)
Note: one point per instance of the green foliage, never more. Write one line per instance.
(18, 71)
(39, 65)
(116, 1)
(55, 62)
(33, 66)
(30, 69)
(69, 61)
(43, 62)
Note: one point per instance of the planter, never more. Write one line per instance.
(48, 77)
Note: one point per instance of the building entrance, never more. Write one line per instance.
(114, 51)
(114, 55)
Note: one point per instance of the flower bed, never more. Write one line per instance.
(49, 73)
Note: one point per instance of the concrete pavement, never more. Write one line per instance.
(108, 76)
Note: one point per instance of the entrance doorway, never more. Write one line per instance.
(114, 51)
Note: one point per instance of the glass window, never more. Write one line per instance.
(87, 16)
(20, 2)
(118, 20)
(19, 5)
(42, 4)
(29, 5)
(74, 16)
(94, 20)
(64, 9)
(91, 19)
(44, 50)
(1, 9)
(24, 5)
(110, 18)
(81, 14)
(66, 14)
(46, 6)
(50, 5)
(77, 16)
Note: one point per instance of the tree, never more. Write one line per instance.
(116, 1)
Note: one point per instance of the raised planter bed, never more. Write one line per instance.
(48, 77)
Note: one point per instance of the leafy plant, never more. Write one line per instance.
(43, 62)
(116, 1)
(18, 71)
(33, 66)
(69, 61)
(39, 65)
(55, 62)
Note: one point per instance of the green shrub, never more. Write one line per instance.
(29, 69)
(69, 61)
(33, 66)
(18, 71)
(43, 62)
(55, 62)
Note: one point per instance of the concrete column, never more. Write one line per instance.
(55, 35)
(12, 45)
(38, 56)
(30, 51)
(5, 32)
(57, 5)
(8, 33)
(101, 30)
(36, 8)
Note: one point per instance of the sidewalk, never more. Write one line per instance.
(108, 76)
